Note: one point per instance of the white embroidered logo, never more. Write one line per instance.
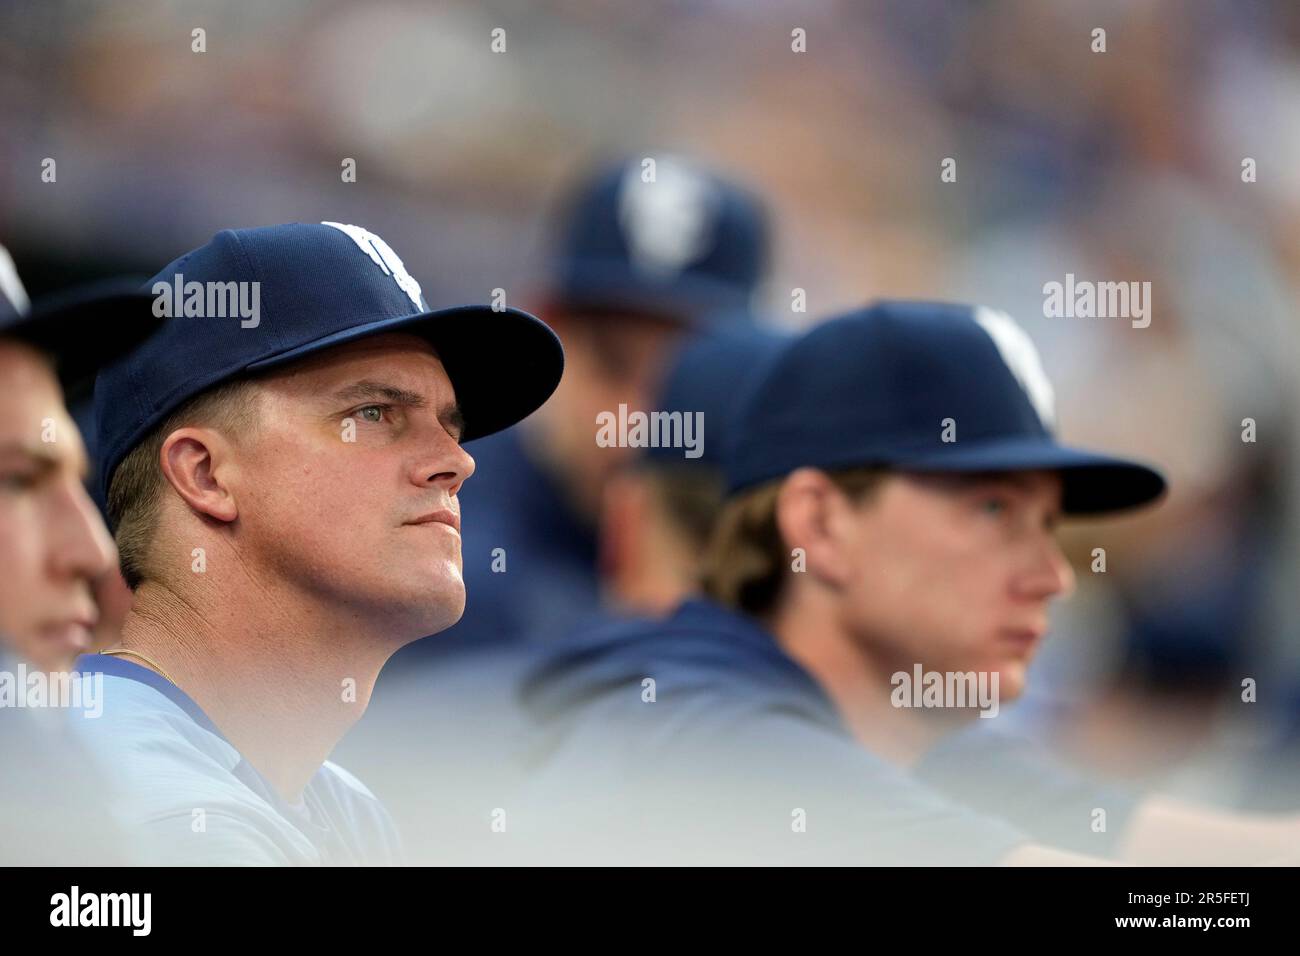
(1021, 357)
(382, 254)
(11, 287)
(667, 223)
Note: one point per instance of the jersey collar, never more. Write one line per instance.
(118, 667)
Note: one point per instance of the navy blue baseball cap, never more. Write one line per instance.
(255, 299)
(81, 329)
(877, 388)
(708, 375)
(688, 246)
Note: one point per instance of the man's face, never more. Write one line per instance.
(609, 360)
(347, 487)
(956, 572)
(53, 545)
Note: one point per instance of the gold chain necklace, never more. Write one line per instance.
(120, 651)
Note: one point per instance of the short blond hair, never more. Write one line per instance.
(136, 488)
(746, 562)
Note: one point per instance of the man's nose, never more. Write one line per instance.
(1048, 575)
(446, 464)
(80, 545)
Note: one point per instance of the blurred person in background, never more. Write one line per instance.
(659, 509)
(57, 562)
(58, 554)
(658, 519)
(1164, 638)
(918, 554)
(1140, 164)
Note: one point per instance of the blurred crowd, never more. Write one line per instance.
(1123, 164)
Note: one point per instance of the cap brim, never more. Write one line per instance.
(1093, 483)
(87, 328)
(503, 364)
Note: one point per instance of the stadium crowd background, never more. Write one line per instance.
(1122, 165)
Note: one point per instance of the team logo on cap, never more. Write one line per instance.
(382, 254)
(669, 222)
(11, 287)
(1021, 357)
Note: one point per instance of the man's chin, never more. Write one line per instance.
(435, 613)
(1011, 680)
(412, 611)
(50, 654)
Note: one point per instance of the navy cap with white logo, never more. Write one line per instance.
(255, 299)
(921, 387)
(675, 241)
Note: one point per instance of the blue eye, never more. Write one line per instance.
(373, 414)
(993, 506)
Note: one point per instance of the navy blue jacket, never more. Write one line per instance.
(740, 757)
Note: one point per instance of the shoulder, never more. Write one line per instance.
(675, 691)
(702, 651)
(171, 787)
(136, 731)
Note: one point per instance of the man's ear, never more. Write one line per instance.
(812, 514)
(191, 461)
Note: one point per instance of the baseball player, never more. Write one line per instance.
(283, 473)
(894, 489)
(53, 544)
(56, 555)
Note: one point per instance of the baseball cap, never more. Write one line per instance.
(687, 245)
(884, 387)
(707, 374)
(80, 329)
(255, 299)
